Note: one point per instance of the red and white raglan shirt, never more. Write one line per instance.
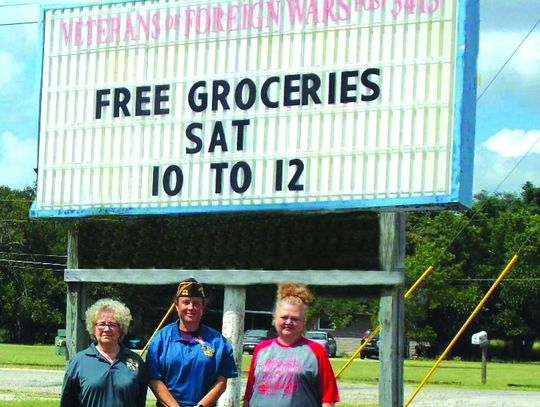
(299, 375)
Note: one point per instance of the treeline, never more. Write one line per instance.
(467, 249)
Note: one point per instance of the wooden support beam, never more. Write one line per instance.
(76, 302)
(234, 306)
(235, 277)
(391, 311)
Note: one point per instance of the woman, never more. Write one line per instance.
(106, 373)
(290, 370)
(188, 362)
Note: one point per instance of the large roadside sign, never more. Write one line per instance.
(175, 106)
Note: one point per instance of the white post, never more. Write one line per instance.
(234, 306)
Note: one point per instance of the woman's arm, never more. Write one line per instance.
(217, 389)
(328, 404)
(71, 387)
(162, 393)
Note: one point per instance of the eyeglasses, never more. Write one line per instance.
(110, 325)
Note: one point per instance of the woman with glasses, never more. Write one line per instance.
(106, 374)
(188, 362)
(290, 370)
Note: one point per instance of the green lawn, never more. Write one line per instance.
(500, 376)
(41, 356)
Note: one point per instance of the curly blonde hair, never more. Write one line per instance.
(295, 294)
(118, 309)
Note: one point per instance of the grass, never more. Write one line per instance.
(450, 373)
(36, 356)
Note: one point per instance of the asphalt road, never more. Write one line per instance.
(17, 383)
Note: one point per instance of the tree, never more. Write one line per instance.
(468, 251)
(32, 293)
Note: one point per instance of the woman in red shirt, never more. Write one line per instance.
(290, 370)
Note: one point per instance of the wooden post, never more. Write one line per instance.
(76, 335)
(391, 311)
(484, 362)
(234, 306)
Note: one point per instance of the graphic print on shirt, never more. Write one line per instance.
(279, 376)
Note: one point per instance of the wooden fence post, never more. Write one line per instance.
(391, 311)
(76, 336)
(234, 306)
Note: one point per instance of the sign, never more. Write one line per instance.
(159, 107)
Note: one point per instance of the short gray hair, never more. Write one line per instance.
(120, 310)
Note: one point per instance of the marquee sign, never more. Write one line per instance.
(157, 107)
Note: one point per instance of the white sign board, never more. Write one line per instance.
(167, 106)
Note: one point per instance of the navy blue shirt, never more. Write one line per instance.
(187, 365)
(92, 381)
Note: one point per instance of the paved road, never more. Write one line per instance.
(15, 383)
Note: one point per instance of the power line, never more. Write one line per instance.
(508, 60)
(17, 200)
(18, 23)
(33, 262)
(19, 4)
(493, 279)
(33, 254)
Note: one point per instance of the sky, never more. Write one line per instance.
(508, 113)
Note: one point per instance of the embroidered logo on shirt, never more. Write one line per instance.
(132, 364)
(206, 349)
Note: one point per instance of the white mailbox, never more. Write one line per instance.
(479, 338)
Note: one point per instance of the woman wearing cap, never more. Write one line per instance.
(189, 363)
(106, 374)
(290, 370)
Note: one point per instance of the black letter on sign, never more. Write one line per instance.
(370, 85)
(194, 138)
(218, 138)
(161, 96)
(293, 184)
(279, 175)
(241, 124)
(179, 180)
(155, 180)
(121, 103)
(234, 177)
(288, 99)
(219, 167)
(141, 100)
(310, 90)
(264, 92)
(346, 87)
(203, 97)
(252, 93)
(100, 102)
(220, 96)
